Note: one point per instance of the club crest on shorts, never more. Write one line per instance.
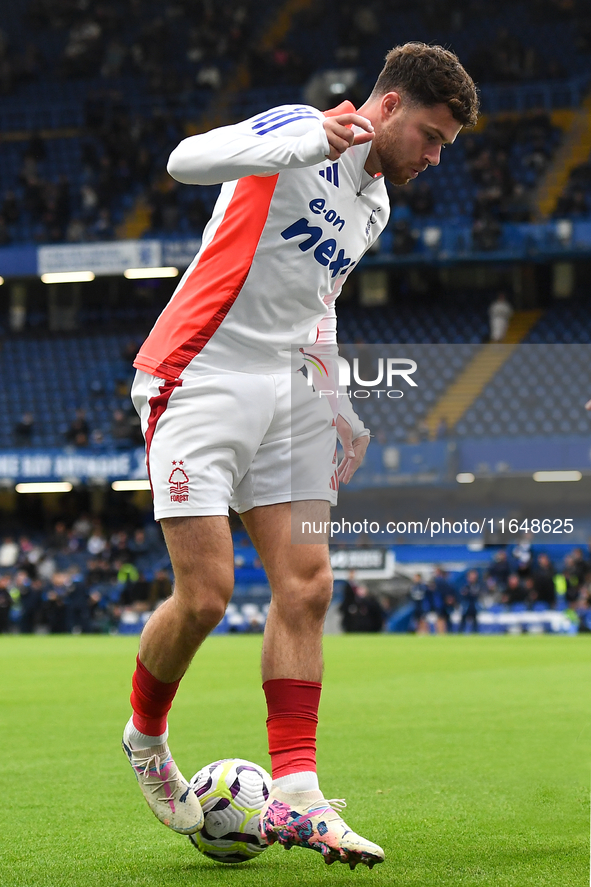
(179, 483)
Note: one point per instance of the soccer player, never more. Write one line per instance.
(228, 422)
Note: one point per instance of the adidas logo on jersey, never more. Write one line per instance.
(331, 174)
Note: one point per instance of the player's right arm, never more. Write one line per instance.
(265, 145)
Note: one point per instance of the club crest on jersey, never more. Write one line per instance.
(331, 174)
(372, 219)
(179, 483)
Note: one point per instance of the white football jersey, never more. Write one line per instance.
(287, 229)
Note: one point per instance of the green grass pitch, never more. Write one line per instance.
(467, 758)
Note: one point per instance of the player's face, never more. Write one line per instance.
(411, 138)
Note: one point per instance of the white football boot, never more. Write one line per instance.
(168, 794)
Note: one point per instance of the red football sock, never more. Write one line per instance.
(151, 700)
(291, 725)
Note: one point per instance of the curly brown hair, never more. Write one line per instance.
(430, 75)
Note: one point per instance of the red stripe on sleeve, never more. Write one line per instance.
(194, 314)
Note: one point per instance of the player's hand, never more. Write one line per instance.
(340, 136)
(354, 450)
(588, 405)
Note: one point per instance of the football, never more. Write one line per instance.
(232, 793)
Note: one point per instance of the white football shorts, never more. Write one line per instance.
(235, 439)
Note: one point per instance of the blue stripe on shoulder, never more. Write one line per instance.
(271, 119)
(262, 132)
(284, 109)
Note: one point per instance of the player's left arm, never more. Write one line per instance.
(354, 447)
(352, 433)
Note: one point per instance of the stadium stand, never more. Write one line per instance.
(85, 578)
(105, 139)
(537, 391)
(87, 373)
(93, 97)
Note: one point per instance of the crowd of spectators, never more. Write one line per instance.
(182, 46)
(510, 155)
(205, 40)
(172, 46)
(501, 58)
(506, 59)
(517, 578)
(575, 200)
(123, 431)
(500, 168)
(82, 578)
(122, 157)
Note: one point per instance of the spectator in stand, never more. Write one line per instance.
(120, 547)
(499, 313)
(347, 607)
(572, 573)
(121, 429)
(129, 351)
(499, 570)
(543, 576)
(136, 594)
(470, 594)
(486, 233)
(30, 555)
(403, 239)
(58, 540)
(127, 573)
(139, 545)
(79, 431)
(360, 610)
(77, 607)
(445, 599)
(97, 544)
(580, 565)
(76, 230)
(523, 555)
(516, 593)
(515, 207)
(11, 209)
(9, 552)
(23, 430)
(82, 527)
(422, 431)
(54, 612)
(99, 572)
(5, 237)
(27, 596)
(97, 438)
(102, 227)
(368, 616)
(530, 591)
(421, 199)
(573, 203)
(46, 566)
(442, 430)
(5, 603)
(160, 589)
(418, 595)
